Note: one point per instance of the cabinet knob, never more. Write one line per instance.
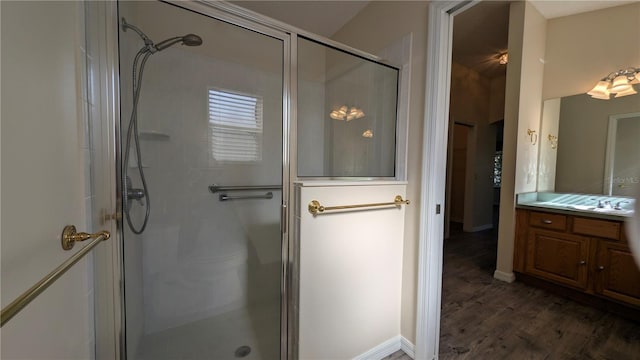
(600, 268)
(546, 221)
(582, 262)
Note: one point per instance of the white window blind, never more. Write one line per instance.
(235, 126)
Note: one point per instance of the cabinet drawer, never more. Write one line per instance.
(598, 228)
(548, 221)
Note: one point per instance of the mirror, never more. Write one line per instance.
(622, 163)
(575, 138)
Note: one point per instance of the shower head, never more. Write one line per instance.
(189, 40)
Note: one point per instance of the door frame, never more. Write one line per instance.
(433, 180)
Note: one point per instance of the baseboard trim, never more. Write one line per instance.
(407, 347)
(504, 276)
(385, 349)
(388, 347)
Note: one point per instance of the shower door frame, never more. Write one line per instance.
(216, 11)
(110, 320)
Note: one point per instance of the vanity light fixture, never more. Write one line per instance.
(346, 113)
(619, 82)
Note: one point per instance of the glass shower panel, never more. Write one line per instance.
(203, 280)
(346, 114)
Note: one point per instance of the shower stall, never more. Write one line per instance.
(208, 95)
(201, 114)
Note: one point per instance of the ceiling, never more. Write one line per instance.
(556, 8)
(480, 33)
(319, 17)
(480, 36)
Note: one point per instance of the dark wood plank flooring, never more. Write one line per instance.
(398, 355)
(483, 318)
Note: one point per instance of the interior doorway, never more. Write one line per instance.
(474, 164)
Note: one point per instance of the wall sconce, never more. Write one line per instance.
(619, 82)
(367, 134)
(553, 140)
(533, 137)
(346, 113)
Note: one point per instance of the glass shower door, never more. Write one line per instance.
(203, 279)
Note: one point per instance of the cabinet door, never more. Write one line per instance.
(618, 276)
(558, 257)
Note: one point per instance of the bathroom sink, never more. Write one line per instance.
(613, 211)
(582, 207)
(609, 211)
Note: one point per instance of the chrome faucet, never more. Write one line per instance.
(619, 204)
(603, 204)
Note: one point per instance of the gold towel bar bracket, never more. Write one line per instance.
(316, 208)
(70, 236)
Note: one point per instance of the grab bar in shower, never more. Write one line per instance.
(69, 237)
(315, 208)
(225, 197)
(218, 188)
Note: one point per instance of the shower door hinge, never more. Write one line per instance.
(283, 219)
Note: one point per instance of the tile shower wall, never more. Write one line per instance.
(198, 256)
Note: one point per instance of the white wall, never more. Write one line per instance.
(548, 155)
(527, 29)
(350, 270)
(581, 49)
(45, 178)
(598, 46)
(376, 27)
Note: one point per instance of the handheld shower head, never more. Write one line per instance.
(189, 40)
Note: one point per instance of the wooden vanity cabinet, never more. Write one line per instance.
(558, 257)
(616, 274)
(589, 255)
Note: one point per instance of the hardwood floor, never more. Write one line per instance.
(483, 318)
(398, 355)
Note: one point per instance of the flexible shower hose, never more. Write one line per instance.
(133, 129)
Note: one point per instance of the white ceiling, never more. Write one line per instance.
(556, 8)
(319, 17)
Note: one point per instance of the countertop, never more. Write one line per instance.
(575, 204)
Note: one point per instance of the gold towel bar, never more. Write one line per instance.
(315, 208)
(70, 236)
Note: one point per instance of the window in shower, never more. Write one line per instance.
(235, 126)
(347, 114)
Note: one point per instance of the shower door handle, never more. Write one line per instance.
(225, 197)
